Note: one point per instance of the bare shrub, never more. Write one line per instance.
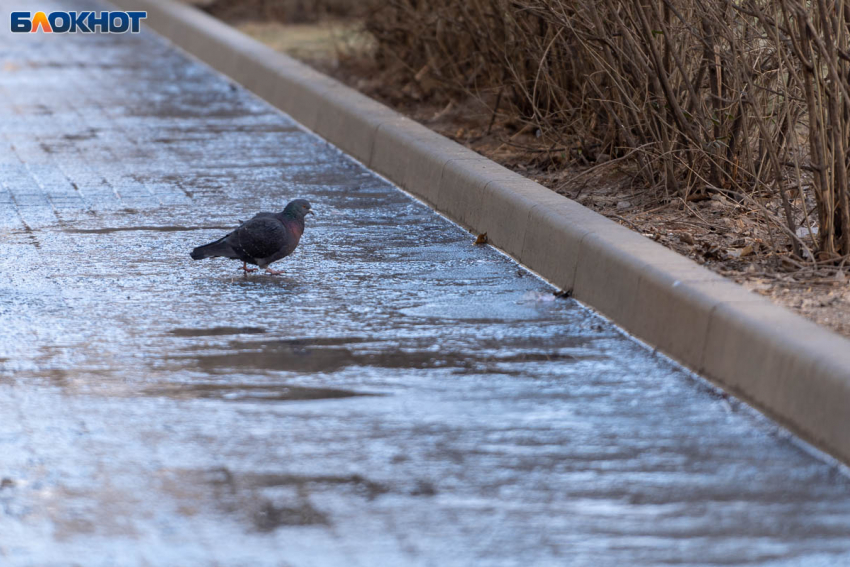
(747, 98)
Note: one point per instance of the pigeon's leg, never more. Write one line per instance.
(274, 272)
(246, 269)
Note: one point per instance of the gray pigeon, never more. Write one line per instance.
(264, 239)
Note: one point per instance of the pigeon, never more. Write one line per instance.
(265, 238)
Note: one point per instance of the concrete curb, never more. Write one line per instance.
(790, 368)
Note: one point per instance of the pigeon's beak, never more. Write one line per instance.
(310, 212)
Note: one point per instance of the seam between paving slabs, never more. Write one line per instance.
(793, 370)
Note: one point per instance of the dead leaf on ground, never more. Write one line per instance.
(740, 252)
(482, 239)
(761, 287)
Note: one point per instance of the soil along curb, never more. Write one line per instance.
(794, 370)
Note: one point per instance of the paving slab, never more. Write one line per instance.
(398, 397)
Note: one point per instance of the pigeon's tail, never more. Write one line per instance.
(213, 249)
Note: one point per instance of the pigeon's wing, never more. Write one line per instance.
(261, 237)
(258, 216)
(264, 216)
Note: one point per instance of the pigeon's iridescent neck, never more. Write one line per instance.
(296, 226)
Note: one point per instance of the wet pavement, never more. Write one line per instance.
(399, 397)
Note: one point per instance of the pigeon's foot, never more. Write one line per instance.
(274, 272)
(246, 269)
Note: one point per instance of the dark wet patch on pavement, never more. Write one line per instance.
(310, 483)
(282, 357)
(305, 484)
(217, 331)
(268, 516)
(81, 136)
(268, 501)
(250, 392)
(287, 344)
(298, 356)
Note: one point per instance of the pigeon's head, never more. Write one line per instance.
(298, 209)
